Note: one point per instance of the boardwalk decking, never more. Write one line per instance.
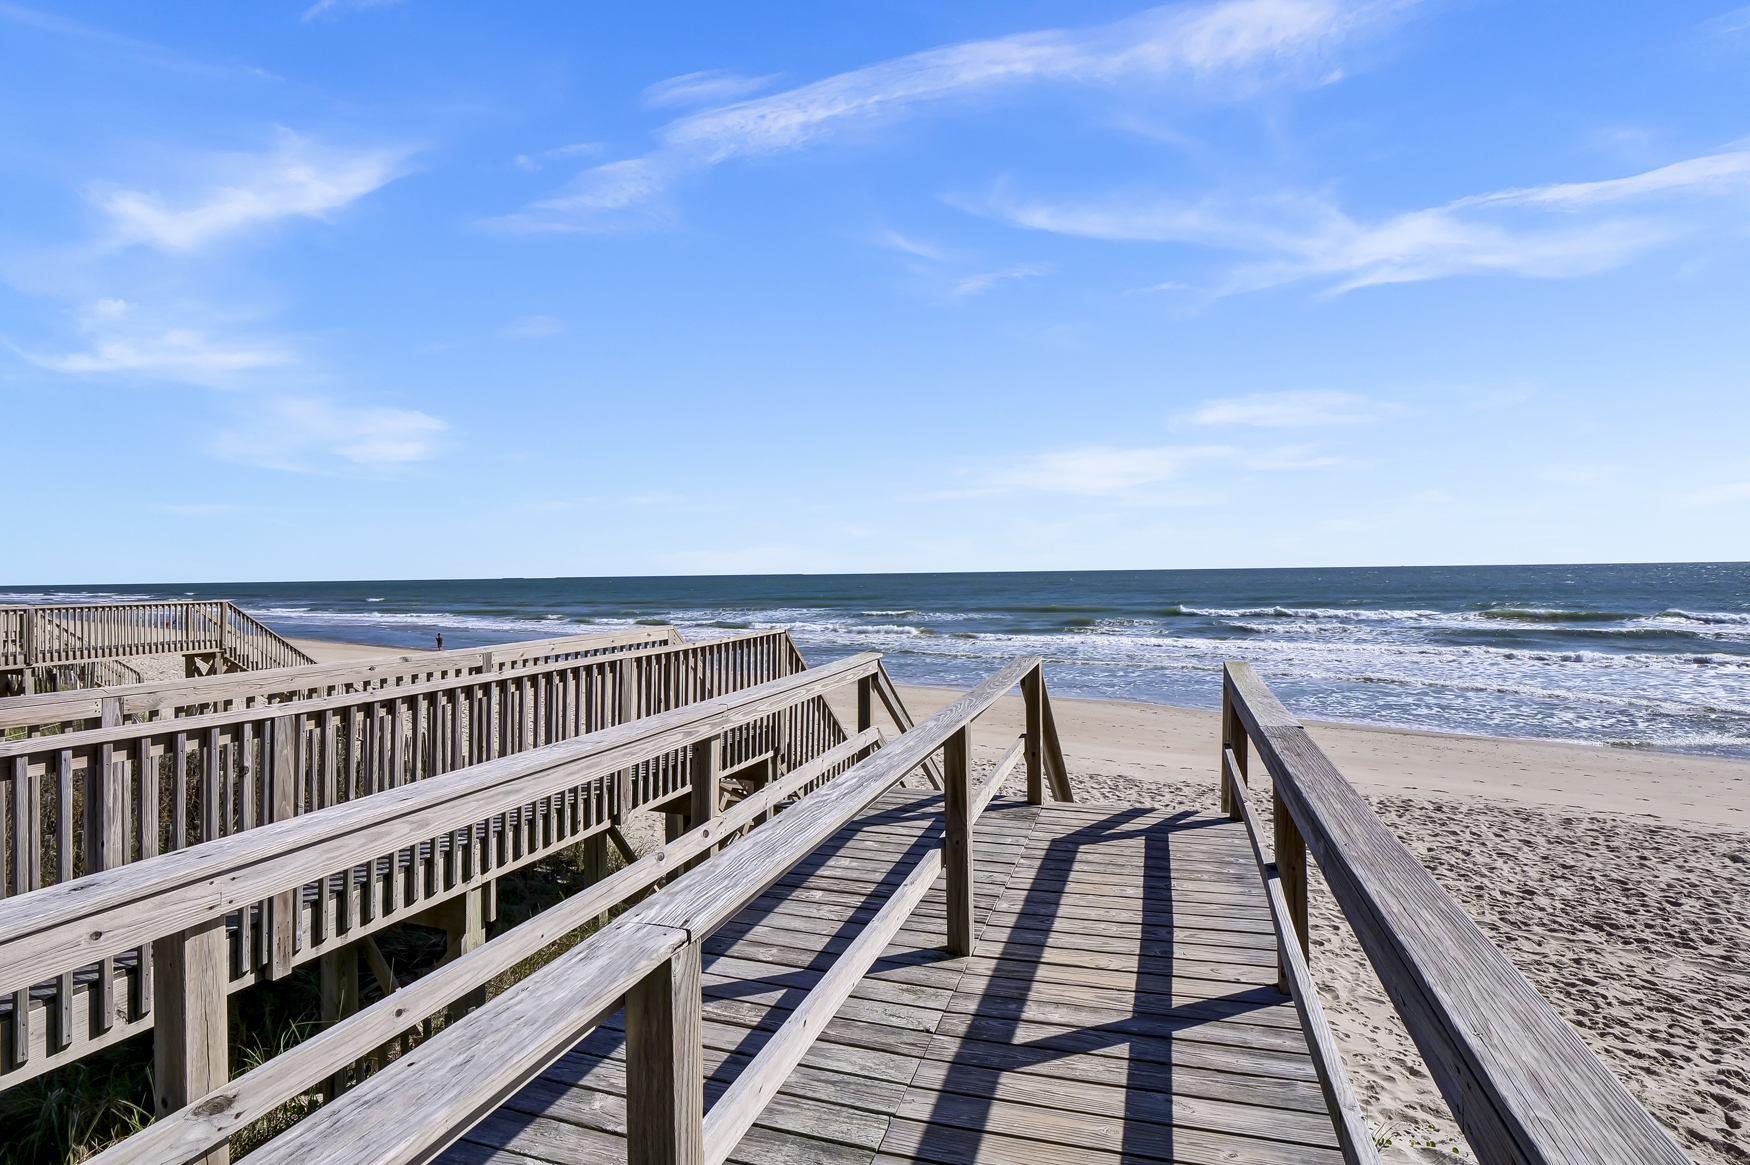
(1119, 1006)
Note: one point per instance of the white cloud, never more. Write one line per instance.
(299, 177)
(1728, 23)
(125, 341)
(312, 435)
(1100, 470)
(1286, 410)
(898, 242)
(1239, 43)
(1737, 491)
(336, 7)
(704, 88)
(533, 327)
(1554, 231)
(973, 284)
(534, 162)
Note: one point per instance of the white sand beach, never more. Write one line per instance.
(1617, 881)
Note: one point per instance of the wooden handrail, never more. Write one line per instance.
(166, 696)
(650, 955)
(1522, 1084)
(40, 634)
(103, 914)
(164, 785)
(208, 1121)
(1353, 1138)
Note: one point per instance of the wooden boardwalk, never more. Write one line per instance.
(1119, 1006)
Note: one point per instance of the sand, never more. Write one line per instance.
(332, 651)
(1617, 881)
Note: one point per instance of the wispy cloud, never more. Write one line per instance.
(1738, 491)
(1100, 470)
(1240, 43)
(332, 8)
(532, 328)
(1291, 410)
(123, 340)
(706, 88)
(1553, 231)
(299, 177)
(1138, 474)
(534, 163)
(974, 284)
(316, 435)
(1729, 24)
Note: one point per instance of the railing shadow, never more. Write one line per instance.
(993, 1042)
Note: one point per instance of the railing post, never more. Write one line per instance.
(957, 844)
(1290, 850)
(707, 763)
(190, 1043)
(865, 709)
(282, 776)
(1032, 692)
(339, 975)
(665, 1064)
(1233, 735)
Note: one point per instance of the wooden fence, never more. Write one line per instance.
(348, 869)
(1523, 1086)
(81, 803)
(71, 710)
(33, 636)
(648, 958)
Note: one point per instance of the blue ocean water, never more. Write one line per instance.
(1649, 656)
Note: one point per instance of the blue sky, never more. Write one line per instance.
(356, 290)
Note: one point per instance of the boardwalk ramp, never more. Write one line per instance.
(1119, 1003)
(850, 949)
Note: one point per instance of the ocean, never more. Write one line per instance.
(1634, 656)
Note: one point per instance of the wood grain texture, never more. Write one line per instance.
(113, 911)
(1520, 1081)
(1295, 979)
(212, 1118)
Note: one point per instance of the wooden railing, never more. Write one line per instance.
(1523, 1086)
(62, 711)
(91, 801)
(649, 957)
(32, 636)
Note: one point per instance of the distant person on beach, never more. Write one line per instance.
(440, 640)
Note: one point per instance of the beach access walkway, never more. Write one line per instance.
(1120, 1001)
(849, 948)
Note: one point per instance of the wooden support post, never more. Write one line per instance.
(1290, 850)
(1233, 735)
(282, 784)
(707, 763)
(340, 983)
(464, 919)
(865, 709)
(957, 845)
(340, 998)
(190, 1043)
(665, 1064)
(595, 857)
(1033, 692)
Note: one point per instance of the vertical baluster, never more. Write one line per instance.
(957, 844)
(64, 872)
(146, 771)
(179, 792)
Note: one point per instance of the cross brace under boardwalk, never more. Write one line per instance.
(1120, 1006)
